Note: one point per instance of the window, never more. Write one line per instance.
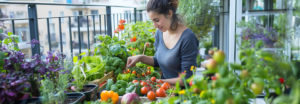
(95, 12)
(19, 15)
(23, 33)
(11, 14)
(50, 15)
(62, 17)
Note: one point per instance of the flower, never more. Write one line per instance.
(213, 101)
(121, 27)
(181, 92)
(281, 80)
(213, 78)
(192, 68)
(122, 21)
(33, 42)
(184, 101)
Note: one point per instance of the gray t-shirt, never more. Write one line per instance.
(178, 59)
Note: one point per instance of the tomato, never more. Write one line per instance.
(213, 78)
(143, 83)
(143, 74)
(160, 81)
(128, 70)
(135, 81)
(244, 74)
(138, 75)
(166, 84)
(148, 72)
(161, 93)
(103, 95)
(191, 82)
(151, 95)
(219, 56)
(147, 44)
(148, 67)
(257, 88)
(165, 87)
(158, 86)
(211, 64)
(144, 90)
(218, 76)
(110, 94)
(196, 91)
(115, 98)
(211, 52)
(153, 79)
(133, 72)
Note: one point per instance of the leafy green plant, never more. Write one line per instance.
(199, 16)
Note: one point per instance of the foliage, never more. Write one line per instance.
(12, 86)
(126, 77)
(111, 47)
(199, 16)
(253, 32)
(114, 64)
(140, 39)
(54, 92)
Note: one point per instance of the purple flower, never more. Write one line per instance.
(33, 42)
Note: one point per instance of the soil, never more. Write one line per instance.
(89, 89)
(86, 89)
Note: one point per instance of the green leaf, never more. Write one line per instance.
(259, 44)
(9, 33)
(277, 91)
(6, 41)
(209, 71)
(236, 66)
(115, 49)
(284, 99)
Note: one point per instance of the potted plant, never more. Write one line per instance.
(90, 90)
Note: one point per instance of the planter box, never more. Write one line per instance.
(103, 80)
(143, 99)
(79, 96)
(92, 94)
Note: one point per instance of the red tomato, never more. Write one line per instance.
(135, 81)
(158, 86)
(148, 72)
(144, 90)
(128, 70)
(138, 75)
(165, 87)
(148, 67)
(153, 79)
(151, 95)
(160, 81)
(166, 84)
(133, 72)
(143, 74)
(143, 83)
(161, 93)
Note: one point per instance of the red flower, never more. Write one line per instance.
(147, 44)
(281, 80)
(122, 21)
(213, 78)
(121, 27)
(133, 38)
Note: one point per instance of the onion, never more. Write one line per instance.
(131, 98)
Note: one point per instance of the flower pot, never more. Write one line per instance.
(76, 98)
(90, 92)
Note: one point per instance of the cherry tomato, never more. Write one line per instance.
(143, 83)
(257, 88)
(138, 75)
(161, 93)
(133, 72)
(148, 72)
(143, 74)
(151, 95)
(153, 79)
(148, 67)
(128, 70)
(135, 81)
(158, 86)
(160, 81)
(144, 90)
(165, 87)
(147, 44)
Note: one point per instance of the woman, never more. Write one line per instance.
(176, 45)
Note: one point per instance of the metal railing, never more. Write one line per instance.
(110, 23)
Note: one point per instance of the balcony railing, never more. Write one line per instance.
(74, 24)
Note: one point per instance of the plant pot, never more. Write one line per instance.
(90, 92)
(78, 96)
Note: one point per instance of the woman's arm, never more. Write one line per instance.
(131, 61)
(173, 81)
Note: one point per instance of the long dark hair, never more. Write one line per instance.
(163, 7)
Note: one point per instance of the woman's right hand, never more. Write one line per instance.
(131, 61)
